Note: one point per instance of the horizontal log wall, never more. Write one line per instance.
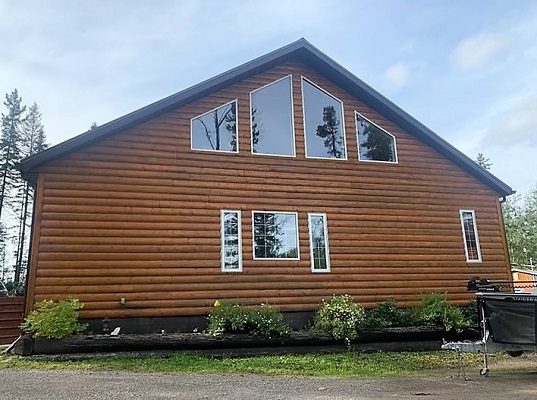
(11, 311)
(137, 216)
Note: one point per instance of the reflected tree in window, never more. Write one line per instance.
(323, 123)
(329, 131)
(231, 257)
(275, 235)
(374, 143)
(216, 129)
(318, 243)
(255, 131)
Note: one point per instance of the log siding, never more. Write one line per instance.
(137, 216)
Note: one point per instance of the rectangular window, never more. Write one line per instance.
(320, 258)
(471, 238)
(230, 223)
(271, 117)
(275, 235)
(324, 128)
(216, 130)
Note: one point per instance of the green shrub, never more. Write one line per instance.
(341, 317)
(54, 320)
(386, 315)
(232, 318)
(434, 309)
(471, 312)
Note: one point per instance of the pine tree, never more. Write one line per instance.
(483, 161)
(329, 131)
(9, 145)
(32, 141)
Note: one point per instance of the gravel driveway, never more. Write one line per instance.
(60, 385)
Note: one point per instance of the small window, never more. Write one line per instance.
(320, 259)
(471, 238)
(275, 235)
(324, 129)
(216, 130)
(271, 114)
(230, 222)
(374, 143)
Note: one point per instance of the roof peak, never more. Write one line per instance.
(311, 55)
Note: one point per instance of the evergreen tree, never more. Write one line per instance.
(520, 219)
(483, 161)
(32, 141)
(10, 145)
(255, 131)
(378, 144)
(329, 131)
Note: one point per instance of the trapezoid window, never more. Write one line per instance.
(216, 130)
(374, 143)
(230, 225)
(324, 129)
(320, 260)
(271, 116)
(470, 236)
(275, 235)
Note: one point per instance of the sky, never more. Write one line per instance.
(466, 69)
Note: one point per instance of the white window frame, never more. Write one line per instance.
(290, 76)
(236, 101)
(222, 240)
(478, 244)
(302, 79)
(297, 236)
(356, 114)
(327, 250)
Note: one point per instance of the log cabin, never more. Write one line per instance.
(282, 181)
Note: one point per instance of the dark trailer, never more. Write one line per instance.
(508, 319)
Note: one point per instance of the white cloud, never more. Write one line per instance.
(398, 74)
(518, 126)
(476, 51)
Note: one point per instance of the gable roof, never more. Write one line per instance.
(305, 52)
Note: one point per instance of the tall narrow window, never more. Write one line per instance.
(271, 114)
(275, 235)
(216, 130)
(324, 129)
(320, 258)
(231, 240)
(374, 143)
(471, 238)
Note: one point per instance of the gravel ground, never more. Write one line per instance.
(61, 385)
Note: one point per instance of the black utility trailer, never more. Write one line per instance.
(508, 319)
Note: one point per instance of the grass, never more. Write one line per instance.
(337, 365)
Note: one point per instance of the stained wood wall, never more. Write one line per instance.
(137, 215)
(11, 311)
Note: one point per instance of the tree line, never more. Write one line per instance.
(520, 220)
(22, 135)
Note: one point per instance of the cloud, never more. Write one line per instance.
(398, 74)
(517, 127)
(478, 50)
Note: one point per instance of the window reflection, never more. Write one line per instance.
(323, 116)
(272, 120)
(231, 247)
(318, 234)
(275, 235)
(471, 242)
(216, 130)
(374, 143)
